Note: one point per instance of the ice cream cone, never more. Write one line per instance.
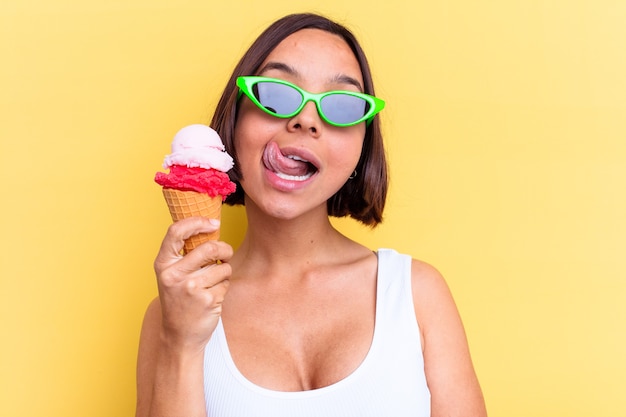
(183, 204)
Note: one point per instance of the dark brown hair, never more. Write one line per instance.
(362, 197)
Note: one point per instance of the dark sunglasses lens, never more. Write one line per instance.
(277, 98)
(344, 108)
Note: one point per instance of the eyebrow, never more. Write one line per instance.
(345, 79)
(337, 79)
(272, 65)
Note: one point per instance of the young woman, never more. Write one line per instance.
(301, 320)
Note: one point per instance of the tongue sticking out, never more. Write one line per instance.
(286, 166)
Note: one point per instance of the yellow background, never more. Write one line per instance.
(506, 131)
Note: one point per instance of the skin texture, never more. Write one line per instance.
(296, 290)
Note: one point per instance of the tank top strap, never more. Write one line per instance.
(394, 299)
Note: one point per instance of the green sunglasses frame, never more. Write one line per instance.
(245, 84)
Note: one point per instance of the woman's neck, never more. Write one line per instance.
(283, 245)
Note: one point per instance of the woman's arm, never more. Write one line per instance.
(179, 323)
(454, 387)
(169, 381)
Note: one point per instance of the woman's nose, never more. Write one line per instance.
(307, 120)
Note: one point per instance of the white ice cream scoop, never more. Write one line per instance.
(198, 146)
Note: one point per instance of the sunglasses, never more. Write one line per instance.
(283, 99)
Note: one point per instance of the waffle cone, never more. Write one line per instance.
(183, 204)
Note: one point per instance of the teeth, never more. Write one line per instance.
(293, 177)
(296, 158)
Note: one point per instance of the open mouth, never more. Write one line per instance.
(291, 165)
(300, 171)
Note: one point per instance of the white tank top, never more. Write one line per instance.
(389, 382)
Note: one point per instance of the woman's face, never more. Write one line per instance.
(292, 166)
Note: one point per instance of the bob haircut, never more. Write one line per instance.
(362, 197)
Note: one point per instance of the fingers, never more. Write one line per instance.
(191, 304)
(213, 277)
(202, 268)
(178, 232)
(208, 253)
(207, 277)
(182, 230)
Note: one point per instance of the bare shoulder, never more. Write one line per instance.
(454, 387)
(424, 273)
(434, 305)
(430, 289)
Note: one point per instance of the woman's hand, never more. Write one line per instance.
(191, 287)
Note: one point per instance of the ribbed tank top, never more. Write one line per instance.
(389, 382)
